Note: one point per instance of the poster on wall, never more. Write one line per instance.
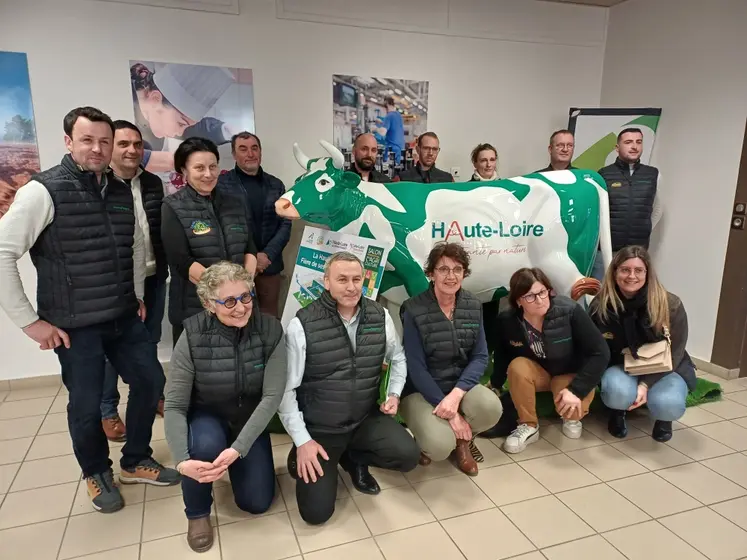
(173, 102)
(317, 245)
(19, 154)
(394, 110)
(596, 133)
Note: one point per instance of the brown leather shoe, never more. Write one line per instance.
(114, 428)
(159, 410)
(424, 460)
(463, 457)
(200, 534)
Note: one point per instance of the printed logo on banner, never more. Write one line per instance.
(439, 230)
(373, 258)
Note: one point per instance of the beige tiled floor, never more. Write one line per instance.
(596, 498)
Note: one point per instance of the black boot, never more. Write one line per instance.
(616, 425)
(363, 481)
(662, 431)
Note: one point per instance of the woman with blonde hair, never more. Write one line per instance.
(633, 309)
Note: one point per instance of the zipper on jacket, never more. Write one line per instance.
(237, 366)
(219, 228)
(70, 298)
(113, 243)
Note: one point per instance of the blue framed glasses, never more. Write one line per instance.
(230, 301)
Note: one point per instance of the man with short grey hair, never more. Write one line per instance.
(336, 348)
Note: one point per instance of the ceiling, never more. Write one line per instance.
(605, 3)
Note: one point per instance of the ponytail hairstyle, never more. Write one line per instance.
(609, 300)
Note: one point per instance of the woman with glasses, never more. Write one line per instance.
(443, 403)
(225, 383)
(633, 309)
(201, 225)
(547, 343)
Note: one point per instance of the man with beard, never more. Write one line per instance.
(425, 171)
(635, 205)
(365, 150)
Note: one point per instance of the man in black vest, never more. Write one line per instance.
(560, 149)
(635, 206)
(365, 151)
(271, 232)
(425, 171)
(147, 194)
(78, 224)
(336, 348)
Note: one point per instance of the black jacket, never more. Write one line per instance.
(84, 258)
(340, 386)
(416, 174)
(203, 229)
(275, 230)
(572, 345)
(373, 175)
(631, 202)
(230, 364)
(614, 334)
(151, 192)
(448, 344)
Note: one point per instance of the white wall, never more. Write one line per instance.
(687, 57)
(511, 93)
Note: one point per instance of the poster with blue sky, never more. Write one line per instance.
(19, 154)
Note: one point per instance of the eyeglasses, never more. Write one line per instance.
(531, 298)
(627, 271)
(445, 270)
(230, 301)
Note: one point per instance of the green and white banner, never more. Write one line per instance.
(596, 133)
(317, 245)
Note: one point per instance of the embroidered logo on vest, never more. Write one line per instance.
(608, 336)
(200, 227)
(470, 325)
(516, 343)
(122, 208)
(371, 329)
(616, 184)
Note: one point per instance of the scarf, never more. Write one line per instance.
(477, 177)
(635, 320)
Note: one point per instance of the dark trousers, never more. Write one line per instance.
(268, 293)
(127, 344)
(252, 477)
(155, 305)
(379, 441)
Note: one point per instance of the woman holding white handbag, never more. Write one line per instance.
(646, 330)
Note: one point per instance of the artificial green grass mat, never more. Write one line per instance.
(705, 391)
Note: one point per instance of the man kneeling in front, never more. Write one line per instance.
(336, 347)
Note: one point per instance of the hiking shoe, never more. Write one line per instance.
(104, 494)
(572, 428)
(150, 471)
(522, 436)
(114, 428)
(662, 431)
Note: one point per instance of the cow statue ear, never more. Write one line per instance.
(350, 180)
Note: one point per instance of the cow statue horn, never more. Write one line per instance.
(301, 158)
(337, 158)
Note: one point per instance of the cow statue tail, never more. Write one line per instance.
(585, 286)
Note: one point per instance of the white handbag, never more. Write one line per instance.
(653, 357)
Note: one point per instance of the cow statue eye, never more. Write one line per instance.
(324, 183)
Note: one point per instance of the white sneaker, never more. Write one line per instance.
(522, 436)
(572, 429)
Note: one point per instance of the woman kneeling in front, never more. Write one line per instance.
(444, 404)
(547, 342)
(631, 310)
(227, 378)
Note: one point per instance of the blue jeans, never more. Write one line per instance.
(155, 304)
(666, 398)
(252, 477)
(126, 343)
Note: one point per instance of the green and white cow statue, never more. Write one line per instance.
(554, 221)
